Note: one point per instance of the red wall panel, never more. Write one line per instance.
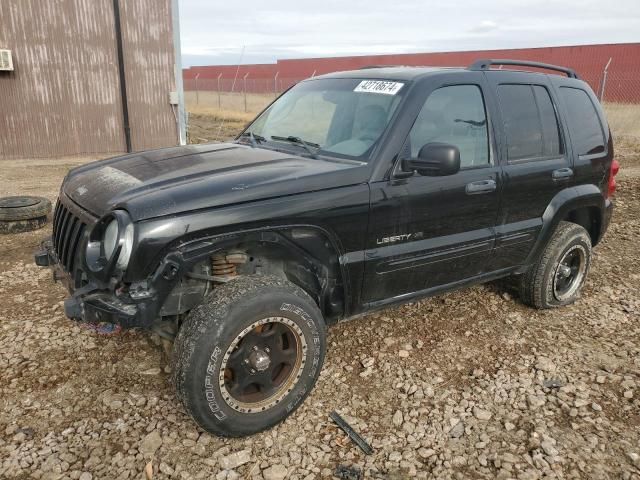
(623, 81)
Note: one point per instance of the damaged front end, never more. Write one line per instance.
(89, 256)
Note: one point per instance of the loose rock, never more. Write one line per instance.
(275, 472)
(151, 443)
(236, 459)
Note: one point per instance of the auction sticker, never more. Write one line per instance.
(379, 86)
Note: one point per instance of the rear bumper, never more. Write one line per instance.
(99, 302)
(606, 218)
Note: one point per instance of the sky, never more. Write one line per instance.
(215, 31)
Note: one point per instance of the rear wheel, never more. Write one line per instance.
(558, 276)
(245, 359)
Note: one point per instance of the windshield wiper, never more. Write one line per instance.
(298, 141)
(255, 139)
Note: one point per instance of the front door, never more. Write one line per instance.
(430, 232)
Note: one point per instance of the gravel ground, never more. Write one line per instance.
(467, 385)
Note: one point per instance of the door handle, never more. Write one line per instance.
(482, 186)
(562, 174)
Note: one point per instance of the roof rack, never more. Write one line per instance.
(486, 64)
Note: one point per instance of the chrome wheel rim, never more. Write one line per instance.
(569, 273)
(262, 364)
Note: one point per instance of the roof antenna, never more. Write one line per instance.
(233, 86)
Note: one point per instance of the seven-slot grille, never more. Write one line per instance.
(67, 234)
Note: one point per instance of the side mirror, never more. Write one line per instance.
(434, 160)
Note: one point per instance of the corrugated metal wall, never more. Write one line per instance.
(623, 82)
(149, 68)
(64, 96)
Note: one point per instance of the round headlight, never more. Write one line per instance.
(111, 237)
(127, 246)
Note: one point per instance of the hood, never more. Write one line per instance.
(180, 179)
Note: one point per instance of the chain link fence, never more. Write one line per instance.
(241, 98)
(224, 92)
(619, 94)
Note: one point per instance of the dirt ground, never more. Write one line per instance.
(467, 385)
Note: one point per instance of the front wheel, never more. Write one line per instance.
(559, 274)
(247, 357)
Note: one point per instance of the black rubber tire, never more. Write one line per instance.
(19, 226)
(210, 328)
(536, 285)
(23, 208)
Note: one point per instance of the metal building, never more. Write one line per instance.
(612, 70)
(87, 76)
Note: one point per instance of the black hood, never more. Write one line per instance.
(175, 180)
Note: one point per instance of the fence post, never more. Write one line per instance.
(275, 84)
(604, 79)
(197, 92)
(219, 102)
(244, 90)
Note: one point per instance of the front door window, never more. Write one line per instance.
(454, 115)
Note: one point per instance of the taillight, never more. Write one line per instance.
(613, 171)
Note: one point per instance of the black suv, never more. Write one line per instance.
(351, 192)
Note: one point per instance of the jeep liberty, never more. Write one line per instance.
(351, 192)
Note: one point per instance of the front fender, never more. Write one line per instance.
(292, 240)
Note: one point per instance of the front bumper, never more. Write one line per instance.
(47, 257)
(96, 301)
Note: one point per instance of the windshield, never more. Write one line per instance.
(338, 117)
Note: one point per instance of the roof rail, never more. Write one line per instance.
(486, 64)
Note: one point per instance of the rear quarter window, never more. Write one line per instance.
(584, 124)
(530, 122)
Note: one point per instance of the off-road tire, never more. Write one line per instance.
(536, 286)
(23, 208)
(208, 332)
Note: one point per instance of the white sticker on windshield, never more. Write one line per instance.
(379, 86)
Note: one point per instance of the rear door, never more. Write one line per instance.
(536, 160)
(431, 232)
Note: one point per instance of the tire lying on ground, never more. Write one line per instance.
(23, 213)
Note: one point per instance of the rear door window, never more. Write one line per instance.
(584, 124)
(530, 122)
(552, 147)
